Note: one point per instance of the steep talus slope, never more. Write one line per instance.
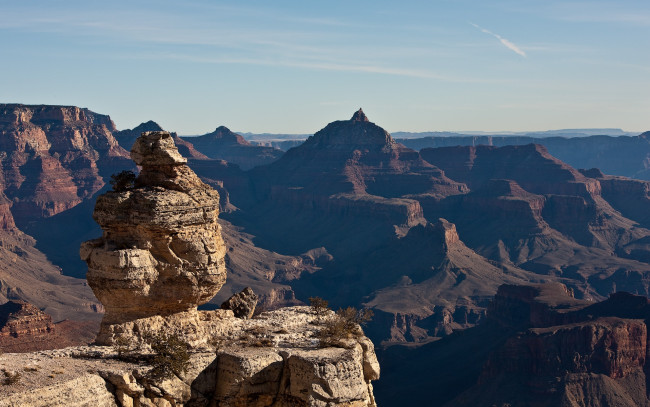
(445, 286)
(223, 144)
(268, 273)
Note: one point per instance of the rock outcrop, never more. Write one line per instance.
(242, 304)
(19, 319)
(25, 328)
(622, 154)
(162, 251)
(274, 359)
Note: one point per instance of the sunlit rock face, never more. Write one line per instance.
(161, 252)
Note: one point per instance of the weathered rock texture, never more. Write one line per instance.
(19, 319)
(242, 304)
(273, 359)
(162, 253)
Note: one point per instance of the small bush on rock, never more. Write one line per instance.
(319, 306)
(345, 325)
(171, 355)
(11, 377)
(122, 347)
(123, 181)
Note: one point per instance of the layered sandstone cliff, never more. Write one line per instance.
(53, 157)
(25, 328)
(564, 352)
(539, 346)
(162, 252)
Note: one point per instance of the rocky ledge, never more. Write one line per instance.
(274, 359)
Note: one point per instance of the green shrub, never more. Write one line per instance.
(123, 181)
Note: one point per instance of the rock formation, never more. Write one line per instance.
(539, 346)
(273, 359)
(242, 304)
(162, 251)
(19, 319)
(127, 138)
(623, 155)
(25, 328)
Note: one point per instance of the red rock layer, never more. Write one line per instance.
(24, 328)
(55, 156)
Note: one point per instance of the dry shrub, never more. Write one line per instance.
(344, 325)
(123, 181)
(171, 355)
(11, 377)
(319, 306)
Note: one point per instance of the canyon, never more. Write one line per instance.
(424, 237)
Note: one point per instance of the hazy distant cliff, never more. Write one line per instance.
(628, 156)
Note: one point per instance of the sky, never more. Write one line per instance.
(294, 66)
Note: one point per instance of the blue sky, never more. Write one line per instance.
(289, 66)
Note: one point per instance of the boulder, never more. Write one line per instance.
(242, 304)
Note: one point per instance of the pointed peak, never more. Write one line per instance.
(359, 116)
(222, 129)
(147, 126)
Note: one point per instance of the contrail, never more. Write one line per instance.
(503, 41)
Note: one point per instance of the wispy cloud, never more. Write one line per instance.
(511, 46)
(323, 66)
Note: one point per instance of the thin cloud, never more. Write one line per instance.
(325, 66)
(503, 41)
